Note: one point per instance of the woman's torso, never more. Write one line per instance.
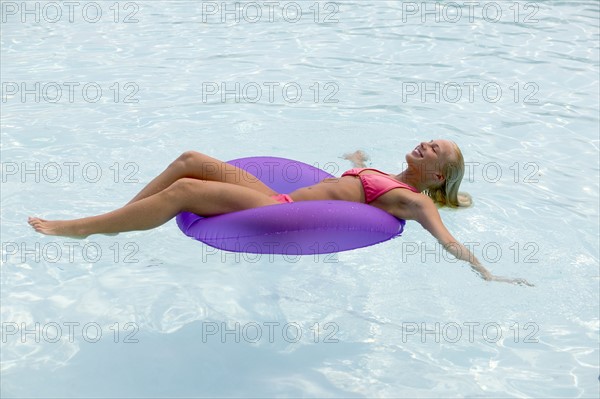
(348, 188)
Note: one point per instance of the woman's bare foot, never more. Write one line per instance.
(64, 228)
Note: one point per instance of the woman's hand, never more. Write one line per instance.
(358, 158)
(517, 281)
(487, 276)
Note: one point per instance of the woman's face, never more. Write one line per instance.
(431, 157)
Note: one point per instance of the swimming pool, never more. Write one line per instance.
(97, 98)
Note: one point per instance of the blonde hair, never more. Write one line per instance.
(447, 193)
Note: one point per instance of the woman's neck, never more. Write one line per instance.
(413, 178)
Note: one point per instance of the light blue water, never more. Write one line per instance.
(363, 314)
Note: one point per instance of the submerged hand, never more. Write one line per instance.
(358, 158)
(517, 281)
(487, 276)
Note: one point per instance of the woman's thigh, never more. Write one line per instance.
(209, 198)
(204, 167)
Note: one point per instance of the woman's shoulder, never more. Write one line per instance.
(405, 204)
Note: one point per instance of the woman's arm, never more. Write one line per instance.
(358, 158)
(425, 212)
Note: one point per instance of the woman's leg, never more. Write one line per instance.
(195, 165)
(207, 198)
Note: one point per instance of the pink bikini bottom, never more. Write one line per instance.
(283, 198)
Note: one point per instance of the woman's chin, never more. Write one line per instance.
(411, 158)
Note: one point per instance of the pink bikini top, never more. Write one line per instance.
(375, 185)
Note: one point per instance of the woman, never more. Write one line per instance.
(203, 185)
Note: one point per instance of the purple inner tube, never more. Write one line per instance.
(298, 228)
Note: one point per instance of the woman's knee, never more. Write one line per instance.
(186, 189)
(200, 164)
(183, 185)
(188, 157)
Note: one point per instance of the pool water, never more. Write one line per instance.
(99, 98)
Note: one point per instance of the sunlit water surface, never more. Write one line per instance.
(395, 319)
